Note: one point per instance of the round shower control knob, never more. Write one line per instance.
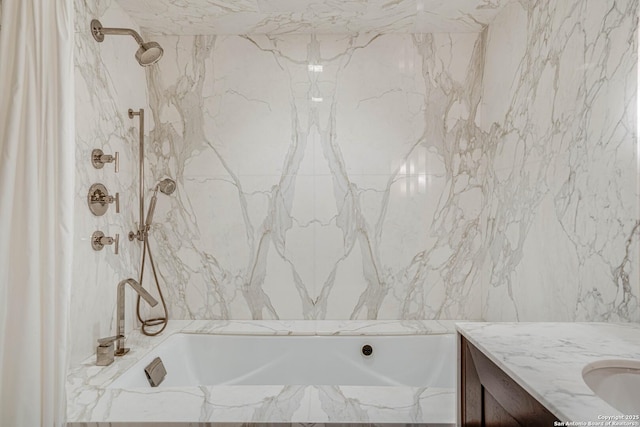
(98, 159)
(367, 350)
(99, 240)
(98, 199)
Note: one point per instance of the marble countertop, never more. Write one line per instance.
(90, 401)
(547, 359)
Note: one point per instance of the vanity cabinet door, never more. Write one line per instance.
(489, 397)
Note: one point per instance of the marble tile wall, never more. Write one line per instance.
(204, 17)
(560, 216)
(319, 176)
(109, 81)
(403, 176)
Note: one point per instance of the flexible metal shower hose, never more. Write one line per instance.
(156, 320)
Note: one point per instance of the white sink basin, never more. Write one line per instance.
(617, 382)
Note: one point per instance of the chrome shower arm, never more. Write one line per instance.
(99, 32)
(122, 32)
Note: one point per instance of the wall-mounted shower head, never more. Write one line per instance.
(148, 53)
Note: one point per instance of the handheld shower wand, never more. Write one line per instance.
(152, 209)
(166, 186)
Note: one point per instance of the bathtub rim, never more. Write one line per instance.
(141, 345)
(86, 377)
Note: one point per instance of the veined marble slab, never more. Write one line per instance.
(311, 16)
(319, 176)
(560, 219)
(91, 403)
(547, 359)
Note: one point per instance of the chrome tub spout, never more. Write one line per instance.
(120, 350)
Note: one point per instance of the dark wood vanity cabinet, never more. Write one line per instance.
(489, 397)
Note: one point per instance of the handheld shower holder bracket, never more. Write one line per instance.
(137, 235)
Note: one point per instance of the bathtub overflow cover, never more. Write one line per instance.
(367, 350)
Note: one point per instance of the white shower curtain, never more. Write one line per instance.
(36, 208)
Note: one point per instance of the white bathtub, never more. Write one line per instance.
(235, 373)
(202, 359)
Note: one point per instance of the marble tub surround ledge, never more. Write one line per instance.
(92, 403)
(547, 359)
